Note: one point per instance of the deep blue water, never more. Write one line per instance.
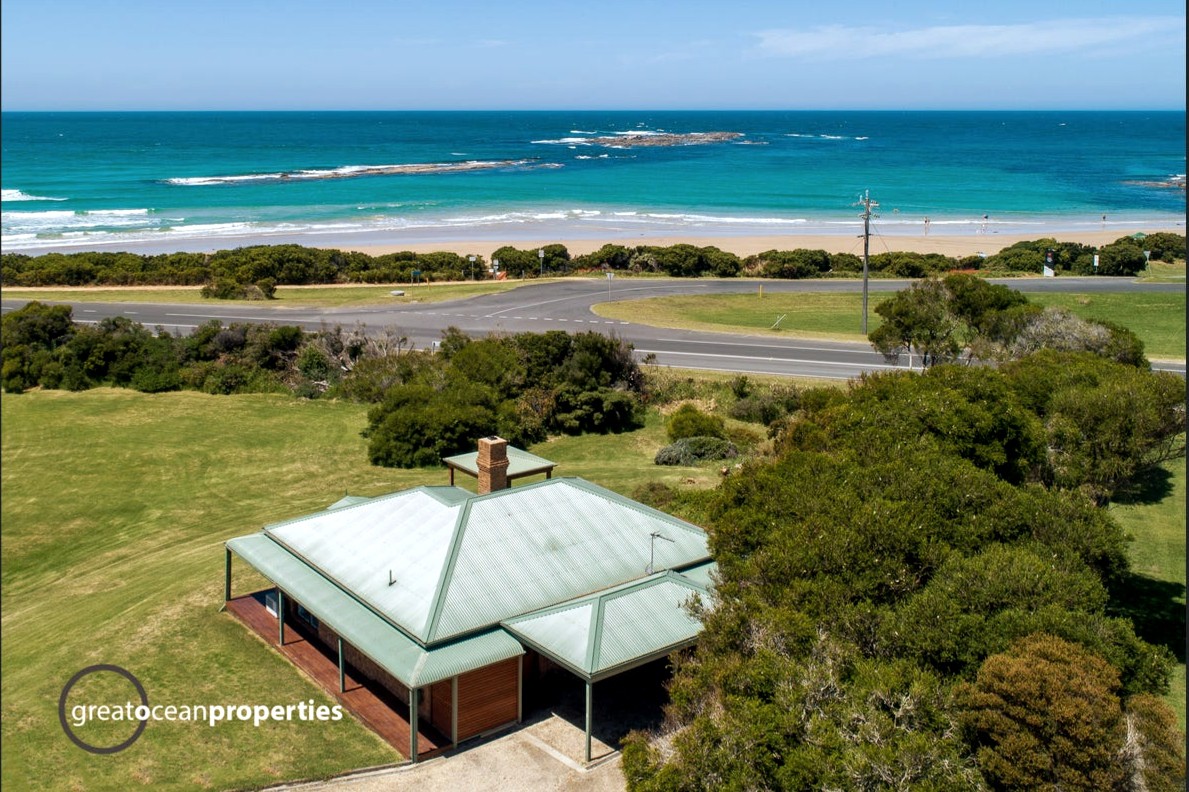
(198, 181)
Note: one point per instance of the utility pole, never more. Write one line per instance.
(867, 204)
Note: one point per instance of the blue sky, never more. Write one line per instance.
(608, 54)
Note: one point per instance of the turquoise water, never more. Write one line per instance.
(203, 181)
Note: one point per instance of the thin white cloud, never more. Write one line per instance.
(963, 41)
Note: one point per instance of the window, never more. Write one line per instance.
(307, 617)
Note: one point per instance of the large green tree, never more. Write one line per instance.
(1047, 714)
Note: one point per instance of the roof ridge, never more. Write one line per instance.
(600, 491)
(370, 499)
(447, 573)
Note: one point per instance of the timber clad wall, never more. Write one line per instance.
(487, 697)
(438, 695)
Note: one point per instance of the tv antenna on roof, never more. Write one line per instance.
(652, 549)
(867, 205)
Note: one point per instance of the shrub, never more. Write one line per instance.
(1165, 246)
(1046, 715)
(764, 408)
(689, 421)
(691, 450)
(1123, 257)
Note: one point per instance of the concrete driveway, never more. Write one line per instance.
(534, 757)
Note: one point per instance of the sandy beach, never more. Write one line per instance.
(951, 245)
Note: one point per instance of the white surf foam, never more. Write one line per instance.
(17, 195)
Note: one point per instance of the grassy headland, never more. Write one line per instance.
(1158, 318)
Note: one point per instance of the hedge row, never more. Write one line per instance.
(287, 265)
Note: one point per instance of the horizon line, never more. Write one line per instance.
(1005, 109)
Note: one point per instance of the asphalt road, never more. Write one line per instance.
(566, 305)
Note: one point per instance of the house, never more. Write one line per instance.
(454, 601)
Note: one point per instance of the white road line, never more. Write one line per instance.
(768, 359)
(279, 318)
(762, 346)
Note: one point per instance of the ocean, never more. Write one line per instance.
(202, 181)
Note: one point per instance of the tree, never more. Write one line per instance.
(1101, 437)
(1155, 750)
(1046, 715)
(918, 320)
(967, 411)
(1122, 257)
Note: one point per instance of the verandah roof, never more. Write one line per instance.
(520, 463)
(399, 655)
(606, 633)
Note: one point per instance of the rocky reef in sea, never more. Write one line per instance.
(663, 139)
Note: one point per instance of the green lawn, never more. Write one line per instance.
(115, 506)
(1155, 518)
(1160, 272)
(286, 296)
(805, 315)
(1157, 318)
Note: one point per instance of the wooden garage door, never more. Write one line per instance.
(488, 697)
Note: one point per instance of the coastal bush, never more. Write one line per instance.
(768, 406)
(293, 265)
(691, 450)
(1046, 714)
(962, 315)
(1061, 331)
(517, 263)
(613, 257)
(910, 265)
(688, 421)
(845, 263)
(521, 387)
(685, 261)
(1164, 246)
(231, 289)
(789, 264)
(1122, 257)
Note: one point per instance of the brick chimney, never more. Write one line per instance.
(493, 464)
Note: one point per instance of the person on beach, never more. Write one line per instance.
(984, 228)
(926, 226)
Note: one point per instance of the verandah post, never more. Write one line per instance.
(589, 704)
(342, 684)
(413, 703)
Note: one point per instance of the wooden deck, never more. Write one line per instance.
(369, 702)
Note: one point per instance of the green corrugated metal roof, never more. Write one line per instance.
(460, 563)
(520, 463)
(601, 634)
(527, 548)
(701, 574)
(347, 500)
(386, 645)
(364, 548)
